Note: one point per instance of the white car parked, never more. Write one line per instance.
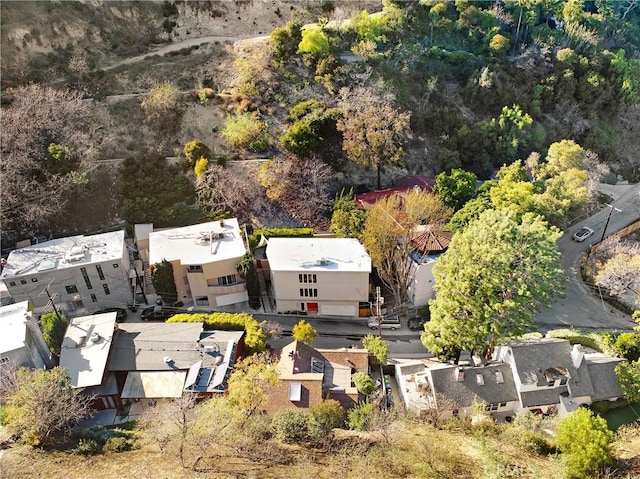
(391, 322)
(582, 234)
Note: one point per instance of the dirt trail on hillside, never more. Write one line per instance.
(176, 46)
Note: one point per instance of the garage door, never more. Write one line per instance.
(338, 310)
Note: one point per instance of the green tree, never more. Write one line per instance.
(285, 40)
(377, 347)
(364, 384)
(304, 332)
(387, 235)
(373, 130)
(563, 155)
(247, 269)
(469, 212)
(44, 406)
(250, 384)
(347, 220)
(627, 345)
(195, 149)
(492, 280)
(499, 45)
(584, 440)
(628, 374)
(53, 329)
(455, 189)
(512, 133)
(164, 282)
(245, 130)
(314, 41)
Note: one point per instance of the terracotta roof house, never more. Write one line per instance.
(307, 376)
(543, 376)
(429, 242)
(21, 340)
(408, 183)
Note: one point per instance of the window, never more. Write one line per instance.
(106, 289)
(503, 404)
(100, 273)
(34, 280)
(116, 265)
(195, 268)
(499, 377)
(23, 281)
(86, 278)
(226, 280)
(93, 298)
(202, 300)
(12, 283)
(563, 381)
(308, 292)
(307, 278)
(317, 366)
(479, 379)
(491, 407)
(4, 360)
(71, 289)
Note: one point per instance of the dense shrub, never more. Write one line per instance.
(292, 426)
(87, 446)
(328, 415)
(361, 417)
(245, 130)
(255, 338)
(627, 345)
(195, 149)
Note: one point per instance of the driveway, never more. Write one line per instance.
(579, 307)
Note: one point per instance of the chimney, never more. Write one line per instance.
(577, 355)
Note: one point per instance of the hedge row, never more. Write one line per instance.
(255, 338)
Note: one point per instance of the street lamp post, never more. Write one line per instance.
(611, 208)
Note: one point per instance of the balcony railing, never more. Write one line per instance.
(228, 289)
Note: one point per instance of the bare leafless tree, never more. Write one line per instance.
(301, 187)
(36, 184)
(8, 380)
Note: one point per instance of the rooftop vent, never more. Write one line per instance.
(323, 262)
(167, 359)
(95, 337)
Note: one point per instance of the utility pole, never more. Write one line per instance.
(51, 298)
(378, 315)
(611, 208)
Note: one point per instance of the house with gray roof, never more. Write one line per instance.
(545, 376)
(165, 360)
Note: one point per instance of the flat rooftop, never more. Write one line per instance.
(198, 244)
(13, 326)
(85, 348)
(62, 253)
(317, 254)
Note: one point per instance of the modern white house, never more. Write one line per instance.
(323, 276)
(204, 259)
(21, 340)
(544, 376)
(429, 242)
(77, 273)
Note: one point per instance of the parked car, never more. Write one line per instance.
(416, 324)
(150, 314)
(582, 234)
(121, 313)
(389, 322)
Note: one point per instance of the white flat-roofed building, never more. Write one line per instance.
(325, 276)
(21, 340)
(80, 272)
(204, 258)
(86, 347)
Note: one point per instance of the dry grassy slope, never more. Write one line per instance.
(109, 30)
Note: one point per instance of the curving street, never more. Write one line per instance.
(579, 308)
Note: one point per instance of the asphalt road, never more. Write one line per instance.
(579, 307)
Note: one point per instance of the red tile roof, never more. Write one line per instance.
(366, 200)
(431, 239)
